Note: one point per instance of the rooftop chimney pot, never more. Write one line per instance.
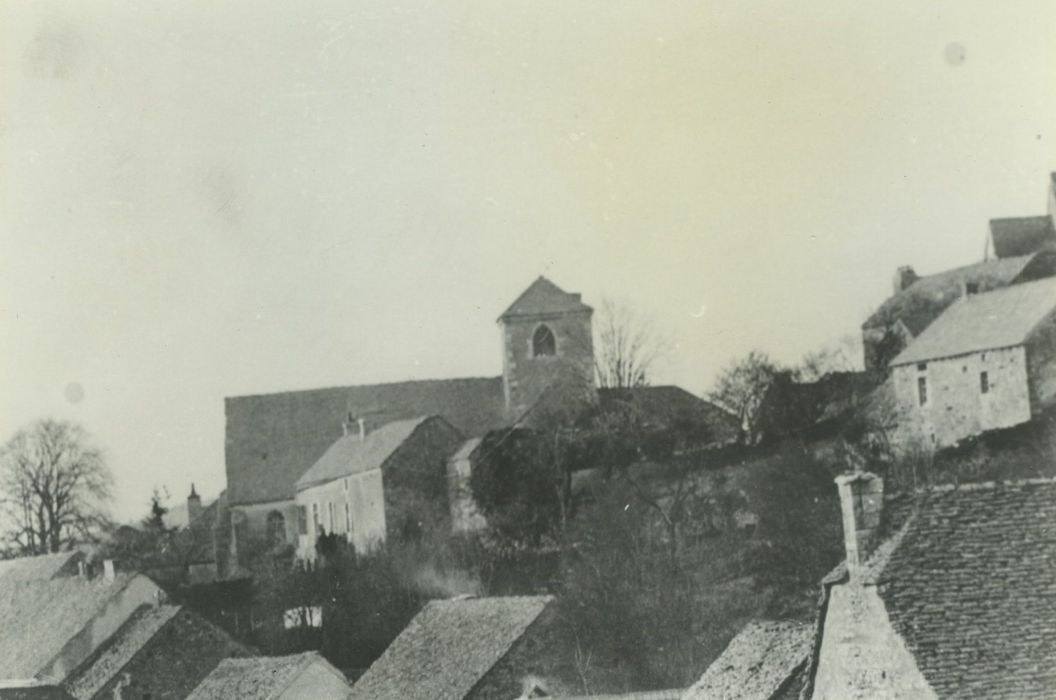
(362, 429)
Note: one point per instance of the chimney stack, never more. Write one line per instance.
(862, 503)
(194, 506)
(108, 570)
(904, 276)
(362, 429)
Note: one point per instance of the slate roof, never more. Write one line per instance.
(544, 298)
(256, 678)
(39, 568)
(923, 301)
(998, 319)
(272, 439)
(38, 618)
(448, 648)
(760, 662)
(95, 673)
(969, 582)
(1021, 235)
(350, 455)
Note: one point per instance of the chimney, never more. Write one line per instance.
(82, 569)
(362, 429)
(904, 276)
(194, 506)
(108, 570)
(862, 503)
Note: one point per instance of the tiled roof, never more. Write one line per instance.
(90, 678)
(998, 319)
(969, 582)
(272, 439)
(351, 455)
(674, 406)
(33, 692)
(924, 300)
(448, 648)
(543, 297)
(1021, 235)
(761, 661)
(257, 678)
(39, 618)
(636, 695)
(39, 568)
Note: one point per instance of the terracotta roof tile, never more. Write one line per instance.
(448, 648)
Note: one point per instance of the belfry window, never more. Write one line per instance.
(543, 343)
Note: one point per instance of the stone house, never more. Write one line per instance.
(367, 485)
(1023, 249)
(465, 649)
(273, 439)
(306, 676)
(60, 624)
(465, 514)
(945, 593)
(988, 362)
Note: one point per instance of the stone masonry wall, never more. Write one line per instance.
(1041, 365)
(861, 655)
(526, 376)
(956, 407)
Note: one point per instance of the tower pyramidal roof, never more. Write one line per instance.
(543, 297)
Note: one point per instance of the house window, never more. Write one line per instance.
(971, 288)
(348, 518)
(346, 484)
(330, 514)
(302, 520)
(922, 390)
(921, 366)
(984, 383)
(543, 342)
(276, 527)
(315, 518)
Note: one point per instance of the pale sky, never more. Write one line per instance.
(203, 199)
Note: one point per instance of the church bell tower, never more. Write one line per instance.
(548, 347)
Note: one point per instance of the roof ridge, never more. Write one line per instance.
(984, 485)
(335, 387)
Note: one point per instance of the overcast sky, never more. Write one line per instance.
(204, 199)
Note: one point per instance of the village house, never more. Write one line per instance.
(466, 649)
(366, 485)
(306, 676)
(1024, 249)
(94, 632)
(945, 593)
(988, 362)
(272, 440)
(765, 661)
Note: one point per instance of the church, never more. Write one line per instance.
(274, 440)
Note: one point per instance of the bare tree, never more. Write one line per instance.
(845, 355)
(54, 487)
(742, 387)
(628, 346)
